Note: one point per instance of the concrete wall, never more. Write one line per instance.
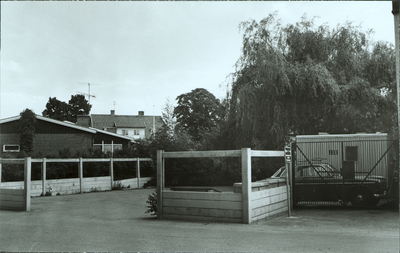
(12, 199)
(133, 182)
(72, 185)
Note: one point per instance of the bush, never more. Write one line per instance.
(151, 183)
(117, 186)
(152, 201)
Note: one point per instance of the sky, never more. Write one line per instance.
(139, 55)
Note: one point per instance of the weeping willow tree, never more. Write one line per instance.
(304, 79)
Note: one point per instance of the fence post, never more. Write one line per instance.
(160, 183)
(27, 183)
(80, 172)
(112, 172)
(138, 172)
(44, 189)
(246, 184)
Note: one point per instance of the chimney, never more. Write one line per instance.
(141, 113)
(112, 112)
(84, 120)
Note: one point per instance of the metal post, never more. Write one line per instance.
(246, 185)
(292, 173)
(288, 170)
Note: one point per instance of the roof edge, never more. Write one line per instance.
(341, 135)
(6, 120)
(112, 134)
(62, 123)
(54, 121)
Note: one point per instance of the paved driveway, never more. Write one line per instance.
(116, 221)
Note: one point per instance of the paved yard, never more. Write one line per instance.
(116, 221)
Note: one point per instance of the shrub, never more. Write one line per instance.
(49, 189)
(95, 189)
(151, 183)
(27, 129)
(152, 201)
(117, 186)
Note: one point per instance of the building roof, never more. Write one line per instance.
(323, 137)
(58, 122)
(102, 121)
(68, 124)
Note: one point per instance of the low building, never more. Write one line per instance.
(134, 126)
(362, 153)
(52, 136)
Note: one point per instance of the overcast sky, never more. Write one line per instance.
(138, 54)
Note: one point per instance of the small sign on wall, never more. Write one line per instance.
(334, 152)
(288, 154)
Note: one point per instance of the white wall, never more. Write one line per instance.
(72, 185)
(131, 131)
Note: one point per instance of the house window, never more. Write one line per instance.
(351, 153)
(125, 132)
(11, 148)
(135, 132)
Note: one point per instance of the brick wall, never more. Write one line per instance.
(8, 139)
(51, 144)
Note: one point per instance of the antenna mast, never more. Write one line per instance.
(87, 94)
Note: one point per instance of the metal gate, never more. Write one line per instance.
(345, 171)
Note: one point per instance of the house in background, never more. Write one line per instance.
(52, 136)
(134, 126)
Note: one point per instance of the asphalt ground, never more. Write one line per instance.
(116, 221)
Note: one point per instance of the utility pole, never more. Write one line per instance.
(395, 12)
